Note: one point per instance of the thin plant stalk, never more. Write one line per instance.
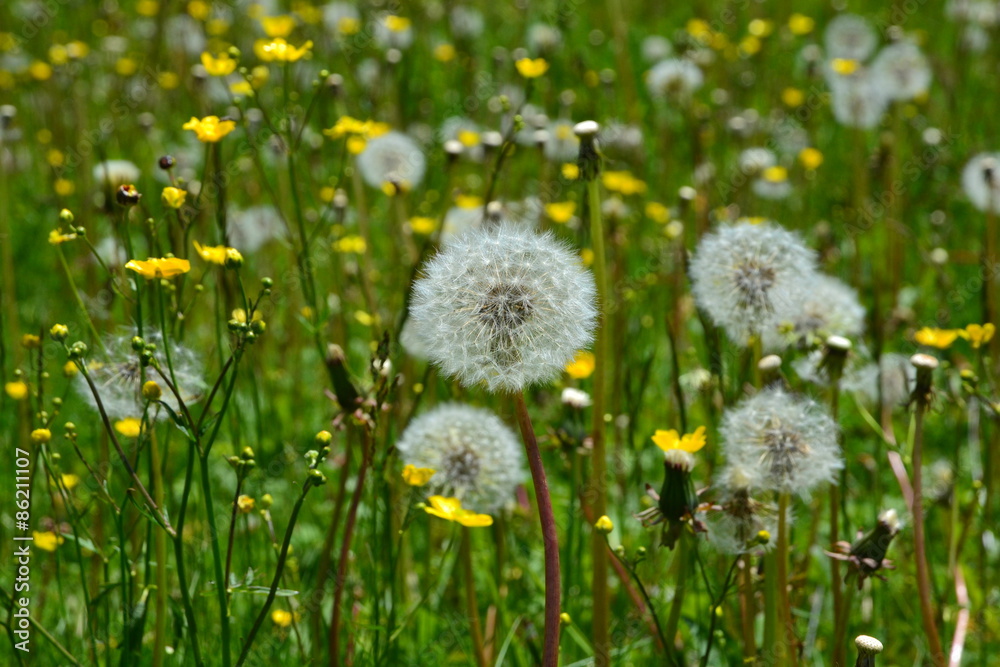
(471, 604)
(345, 548)
(550, 656)
(598, 484)
(920, 550)
(784, 605)
(682, 574)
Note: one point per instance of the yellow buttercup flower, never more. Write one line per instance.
(977, 334)
(844, 66)
(939, 338)
(130, 427)
(604, 525)
(451, 509)
(468, 201)
(444, 52)
(691, 442)
(570, 171)
(173, 197)
(793, 97)
(278, 50)
(278, 26)
(800, 24)
(422, 225)
(221, 65)
(69, 480)
(582, 365)
(560, 212)
(155, 267)
(776, 174)
(17, 390)
(281, 618)
(810, 158)
(213, 254)
(210, 129)
(531, 69)
(245, 503)
(348, 25)
(41, 435)
(397, 23)
(47, 541)
(241, 88)
(657, 212)
(56, 236)
(415, 476)
(350, 244)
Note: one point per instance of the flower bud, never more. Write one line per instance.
(66, 216)
(234, 259)
(59, 332)
(151, 391)
(127, 195)
(604, 525)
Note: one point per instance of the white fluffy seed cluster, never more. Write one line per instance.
(783, 442)
(981, 181)
(476, 456)
(828, 307)
(674, 77)
(743, 275)
(119, 379)
(504, 306)
(392, 158)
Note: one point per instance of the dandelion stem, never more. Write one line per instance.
(471, 605)
(549, 534)
(345, 547)
(748, 609)
(681, 577)
(784, 604)
(598, 484)
(920, 551)
(713, 611)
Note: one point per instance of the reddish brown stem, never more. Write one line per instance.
(550, 656)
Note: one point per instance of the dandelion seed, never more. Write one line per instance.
(504, 306)
(472, 454)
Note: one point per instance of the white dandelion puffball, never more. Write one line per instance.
(784, 442)
(250, 229)
(829, 307)
(850, 36)
(858, 99)
(476, 456)
(743, 274)
(902, 71)
(981, 181)
(656, 48)
(392, 158)
(504, 306)
(755, 160)
(734, 527)
(674, 77)
(562, 145)
(112, 173)
(119, 378)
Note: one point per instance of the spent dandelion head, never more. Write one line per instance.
(743, 274)
(784, 442)
(504, 306)
(828, 307)
(737, 519)
(674, 78)
(902, 71)
(475, 455)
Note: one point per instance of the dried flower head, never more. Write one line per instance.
(784, 442)
(743, 274)
(867, 554)
(504, 306)
(475, 455)
(737, 519)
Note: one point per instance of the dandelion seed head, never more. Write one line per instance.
(504, 306)
(478, 458)
(858, 100)
(788, 441)
(829, 307)
(673, 78)
(981, 181)
(254, 227)
(112, 173)
(902, 71)
(850, 36)
(119, 378)
(743, 274)
(732, 529)
(392, 158)
(897, 379)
